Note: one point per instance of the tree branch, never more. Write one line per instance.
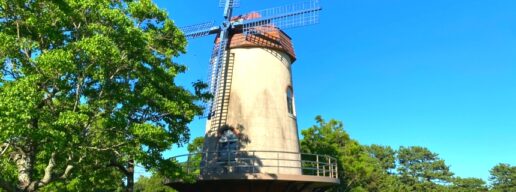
(48, 99)
(78, 93)
(120, 167)
(67, 172)
(18, 29)
(48, 177)
(348, 186)
(5, 146)
(48, 170)
(118, 69)
(112, 148)
(11, 71)
(76, 26)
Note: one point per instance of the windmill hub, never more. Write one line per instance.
(226, 25)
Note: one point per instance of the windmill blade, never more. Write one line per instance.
(232, 3)
(290, 16)
(212, 82)
(199, 30)
(215, 78)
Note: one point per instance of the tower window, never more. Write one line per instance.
(228, 146)
(290, 101)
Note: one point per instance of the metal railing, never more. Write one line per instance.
(271, 162)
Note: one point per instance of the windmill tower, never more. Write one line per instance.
(251, 133)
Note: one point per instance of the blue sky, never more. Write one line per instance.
(439, 74)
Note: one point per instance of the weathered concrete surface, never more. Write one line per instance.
(258, 107)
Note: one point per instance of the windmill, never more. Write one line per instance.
(290, 16)
(251, 129)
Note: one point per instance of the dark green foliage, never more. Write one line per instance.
(361, 172)
(384, 154)
(194, 162)
(468, 185)
(381, 168)
(87, 91)
(152, 184)
(196, 145)
(503, 178)
(422, 168)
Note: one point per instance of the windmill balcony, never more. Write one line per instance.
(260, 165)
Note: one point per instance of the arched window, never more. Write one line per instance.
(228, 146)
(290, 101)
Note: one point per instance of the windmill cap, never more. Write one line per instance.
(265, 37)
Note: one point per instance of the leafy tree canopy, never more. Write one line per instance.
(360, 171)
(196, 145)
(385, 155)
(152, 184)
(420, 165)
(381, 168)
(469, 185)
(503, 178)
(87, 88)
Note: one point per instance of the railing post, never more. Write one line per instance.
(331, 166)
(252, 161)
(324, 169)
(206, 164)
(301, 166)
(317, 161)
(188, 164)
(336, 169)
(277, 158)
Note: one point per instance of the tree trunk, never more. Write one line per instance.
(24, 164)
(130, 176)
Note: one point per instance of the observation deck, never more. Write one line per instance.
(246, 171)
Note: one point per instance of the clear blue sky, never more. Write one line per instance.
(437, 73)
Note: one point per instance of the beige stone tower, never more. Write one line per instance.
(260, 107)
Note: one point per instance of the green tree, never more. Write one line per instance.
(108, 179)
(195, 148)
(359, 171)
(422, 169)
(87, 88)
(385, 155)
(503, 178)
(152, 184)
(196, 145)
(468, 185)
